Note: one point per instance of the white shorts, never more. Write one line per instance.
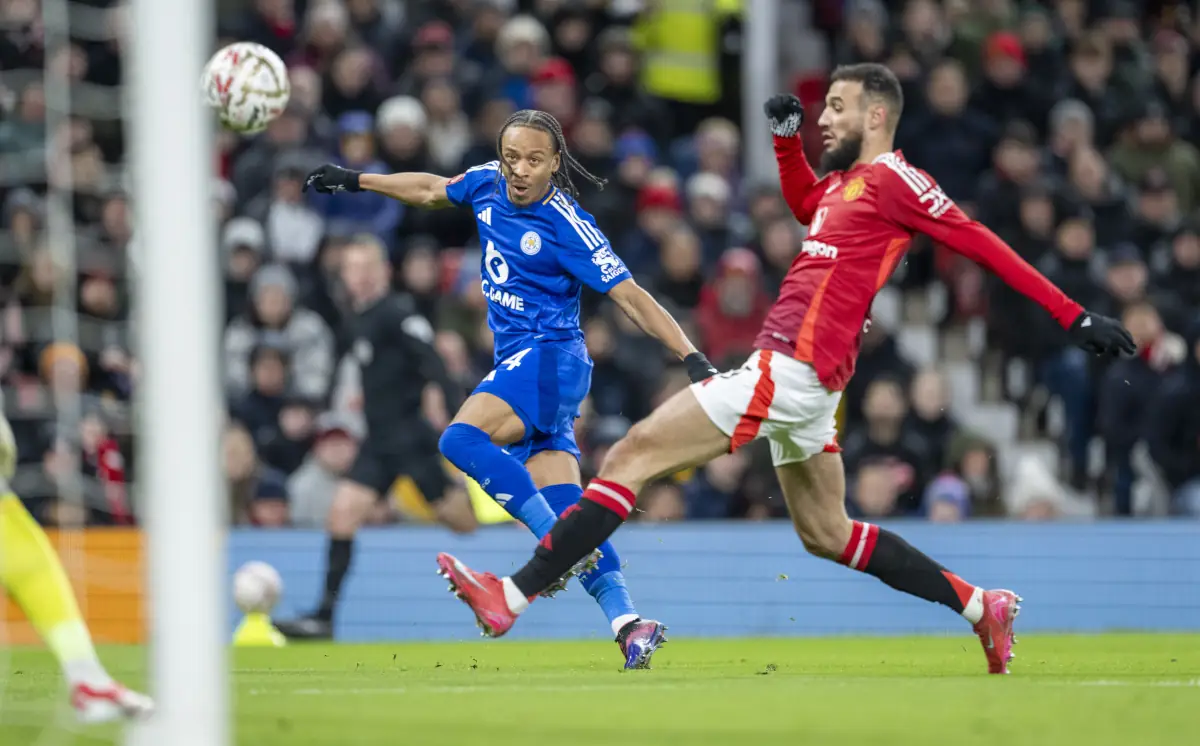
(776, 397)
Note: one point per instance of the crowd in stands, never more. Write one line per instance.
(1068, 127)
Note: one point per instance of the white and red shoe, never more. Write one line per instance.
(108, 701)
(482, 591)
(995, 629)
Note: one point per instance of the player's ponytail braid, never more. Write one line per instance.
(540, 120)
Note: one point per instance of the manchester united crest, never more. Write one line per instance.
(854, 189)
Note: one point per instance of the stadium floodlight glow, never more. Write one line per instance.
(180, 405)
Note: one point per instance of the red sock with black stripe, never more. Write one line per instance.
(899, 564)
(579, 531)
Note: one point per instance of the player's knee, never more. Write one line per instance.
(824, 536)
(628, 455)
(458, 440)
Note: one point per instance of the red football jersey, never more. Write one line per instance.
(860, 224)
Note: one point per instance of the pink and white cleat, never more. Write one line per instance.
(482, 591)
(995, 629)
(108, 701)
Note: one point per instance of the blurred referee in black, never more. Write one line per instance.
(393, 347)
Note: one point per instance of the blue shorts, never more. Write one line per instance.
(545, 384)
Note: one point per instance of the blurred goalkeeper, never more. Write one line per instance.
(861, 216)
(33, 577)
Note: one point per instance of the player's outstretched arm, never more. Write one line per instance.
(414, 189)
(913, 199)
(785, 114)
(656, 321)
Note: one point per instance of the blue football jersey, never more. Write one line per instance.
(536, 259)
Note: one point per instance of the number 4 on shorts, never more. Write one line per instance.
(512, 362)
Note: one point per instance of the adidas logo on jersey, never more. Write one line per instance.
(485, 216)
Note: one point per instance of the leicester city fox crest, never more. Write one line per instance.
(531, 243)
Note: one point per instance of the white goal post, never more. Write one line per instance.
(179, 305)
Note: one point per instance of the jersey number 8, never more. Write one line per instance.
(495, 265)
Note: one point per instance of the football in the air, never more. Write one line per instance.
(256, 588)
(247, 85)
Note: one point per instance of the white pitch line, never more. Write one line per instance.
(648, 684)
(468, 689)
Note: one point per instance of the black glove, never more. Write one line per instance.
(1101, 335)
(698, 367)
(330, 178)
(785, 113)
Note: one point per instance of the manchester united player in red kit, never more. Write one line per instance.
(861, 216)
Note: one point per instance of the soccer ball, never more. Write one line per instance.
(256, 588)
(247, 85)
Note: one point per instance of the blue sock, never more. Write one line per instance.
(606, 583)
(500, 475)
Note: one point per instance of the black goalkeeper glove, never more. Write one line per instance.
(1101, 335)
(698, 367)
(785, 113)
(330, 178)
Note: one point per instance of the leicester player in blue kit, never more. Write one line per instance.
(515, 434)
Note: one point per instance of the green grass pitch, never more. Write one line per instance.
(1141, 690)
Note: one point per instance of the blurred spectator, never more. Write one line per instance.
(681, 278)
(732, 308)
(1104, 195)
(447, 127)
(379, 24)
(1125, 394)
(310, 489)
(254, 170)
(708, 197)
(929, 417)
(973, 460)
(894, 457)
(1066, 371)
(865, 38)
(243, 244)
(780, 243)
(293, 228)
(1173, 428)
(554, 90)
(293, 436)
(402, 125)
(714, 489)
(947, 499)
(1156, 213)
(615, 81)
(368, 212)
(879, 357)
(1072, 128)
(273, 315)
(659, 209)
(618, 372)
(258, 494)
(1176, 263)
(350, 83)
(1150, 143)
(521, 47)
(661, 501)
(1091, 66)
(945, 137)
(1014, 170)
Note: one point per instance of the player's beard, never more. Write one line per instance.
(842, 156)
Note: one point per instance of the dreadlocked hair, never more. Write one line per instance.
(544, 121)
